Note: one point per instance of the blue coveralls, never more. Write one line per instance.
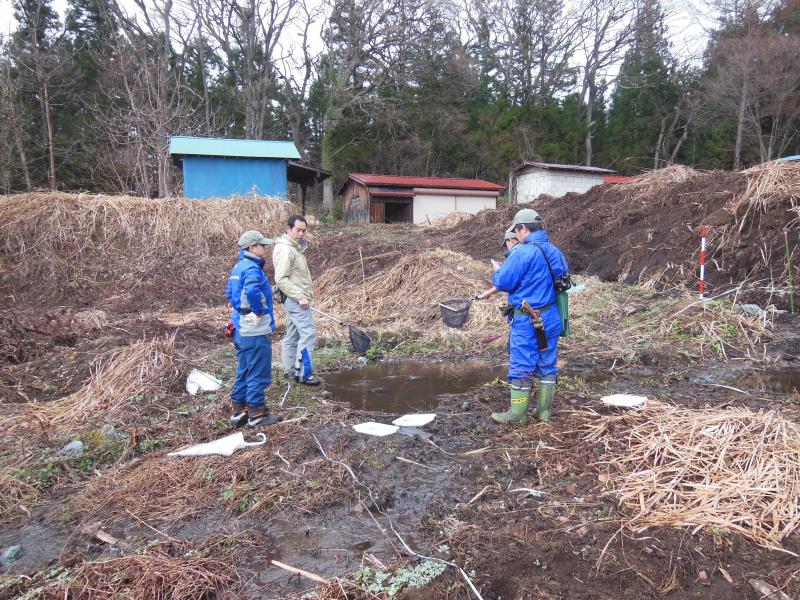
(248, 290)
(525, 276)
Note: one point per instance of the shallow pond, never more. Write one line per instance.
(779, 381)
(409, 385)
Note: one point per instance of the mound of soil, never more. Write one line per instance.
(634, 233)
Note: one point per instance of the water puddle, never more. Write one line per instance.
(328, 548)
(409, 385)
(778, 381)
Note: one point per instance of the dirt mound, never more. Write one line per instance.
(647, 231)
(79, 247)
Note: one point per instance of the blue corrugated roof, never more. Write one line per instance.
(183, 145)
(795, 157)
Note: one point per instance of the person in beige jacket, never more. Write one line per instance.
(293, 279)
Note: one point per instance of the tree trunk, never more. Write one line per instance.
(45, 101)
(588, 143)
(23, 158)
(51, 153)
(737, 152)
(659, 143)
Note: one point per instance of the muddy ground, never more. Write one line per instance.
(124, 519)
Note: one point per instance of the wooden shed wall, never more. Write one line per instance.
(356, 203)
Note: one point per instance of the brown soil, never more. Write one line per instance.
(618, 234)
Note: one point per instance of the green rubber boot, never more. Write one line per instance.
(520, 396)
(544, 401)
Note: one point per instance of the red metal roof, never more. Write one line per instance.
(426, 182)
(617, 179)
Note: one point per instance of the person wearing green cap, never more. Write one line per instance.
(249, 293)
(528, 276)
(509, 243)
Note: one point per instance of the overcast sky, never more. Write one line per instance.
(687, 22)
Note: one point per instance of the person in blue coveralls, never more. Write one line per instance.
(526, 276)
(250, 295)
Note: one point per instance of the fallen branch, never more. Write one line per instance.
(303, 572)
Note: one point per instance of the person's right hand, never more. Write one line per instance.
(304, 303)
(495, 264)
(485, 295)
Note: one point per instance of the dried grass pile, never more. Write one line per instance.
(734, 469)
(250, 480)
(407, 293)
(719, 326)
(75, 241)
(125, 381)
(174, 570)
(771, 185)
(449, 220)
(646, 188)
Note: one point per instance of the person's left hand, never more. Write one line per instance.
(484, 295)
(495, 264)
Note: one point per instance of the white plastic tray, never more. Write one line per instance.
(414, 420)
(624, 400)
(376, 429)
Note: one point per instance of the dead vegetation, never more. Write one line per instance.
(449, 220)
(406, 294)
(733, 469)
(13, 493)
(648, 187)
(270, 478)
(82, 241)
(123, 378)
(173, 569)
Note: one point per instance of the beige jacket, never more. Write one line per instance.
(291, 269)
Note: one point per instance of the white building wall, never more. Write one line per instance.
(531, 184)
(434, 206)
(474, 204)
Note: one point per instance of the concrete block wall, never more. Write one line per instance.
(533, 183)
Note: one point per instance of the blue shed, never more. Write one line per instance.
(219, 167)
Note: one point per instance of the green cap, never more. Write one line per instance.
(251, 238)
(526, 215)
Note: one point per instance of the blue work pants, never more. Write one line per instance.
(253, 368)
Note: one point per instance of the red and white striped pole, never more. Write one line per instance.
(703, 234)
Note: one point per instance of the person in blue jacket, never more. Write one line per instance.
(525, 275)
(250, 295)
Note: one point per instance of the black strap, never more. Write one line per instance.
(549, 268)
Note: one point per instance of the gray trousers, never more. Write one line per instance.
(297, 350)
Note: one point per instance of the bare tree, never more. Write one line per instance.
(35, 20)
(146, 70)
(296, 73)
(12, 126)
(532, 44)
(609, 28)
(757, 80)
(677, 121)
(248, 33)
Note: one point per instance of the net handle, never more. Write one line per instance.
(327, 315)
